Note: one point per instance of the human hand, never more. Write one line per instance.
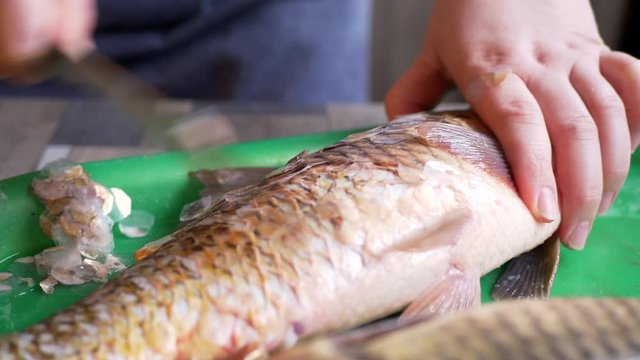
(30, 28)
(539, 75)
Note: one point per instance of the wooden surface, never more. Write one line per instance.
(26, 128)
(36, 131)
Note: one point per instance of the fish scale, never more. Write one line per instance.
(346, 254)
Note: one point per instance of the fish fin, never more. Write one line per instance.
(220, 181)
(216, 185)
(149, 248)
(481, 148)
(457, 291)
(444, 231)
(530, 275)
(240, 176)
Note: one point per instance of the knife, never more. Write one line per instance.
(166, 125)
(139, 99)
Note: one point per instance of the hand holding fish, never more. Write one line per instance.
(556, 96)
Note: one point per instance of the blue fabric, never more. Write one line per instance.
(295, 51)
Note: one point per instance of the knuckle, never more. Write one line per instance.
(533, 166)
(490, 57)
(487, 58)
(589, 197)
(542, 56)
(580, 127)
(520, 112)
(617, 173)
(633, 67)
(551, 56)
(534, 156)
(611, 105)
(539, 159)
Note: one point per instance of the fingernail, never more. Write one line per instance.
(578, 237)
(548, 204)
(605, 203)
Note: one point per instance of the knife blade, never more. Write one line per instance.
(142, 101)
(166, 125)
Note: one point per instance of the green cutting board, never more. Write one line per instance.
(159, 184)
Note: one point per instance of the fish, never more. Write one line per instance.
(407, 216)
(559, 328)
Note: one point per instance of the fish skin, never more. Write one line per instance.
(561, 328)
(306, 251)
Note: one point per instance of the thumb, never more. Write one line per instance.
(420, 88)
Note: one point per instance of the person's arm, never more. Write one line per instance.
(30, 28)
(538, 73)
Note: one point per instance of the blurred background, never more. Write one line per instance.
(303, 51)
(236, 70)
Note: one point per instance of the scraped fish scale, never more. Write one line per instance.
(335, 239)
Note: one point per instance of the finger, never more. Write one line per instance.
(608, 112)
(26, 28)
(74, 37)
(623, 72)
(574, 137)
(505, 104)
(26, 32)
(419, 88)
